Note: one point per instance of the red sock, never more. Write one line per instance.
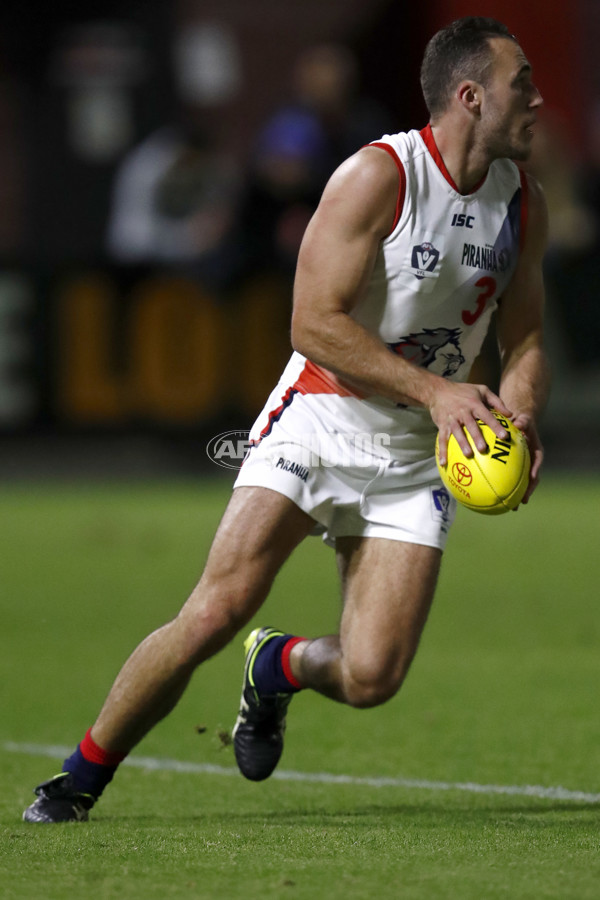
(95, 754)
(285, 661)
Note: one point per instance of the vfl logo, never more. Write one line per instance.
(441, 507)
(424, 259)
(432, 345)
(441, 501)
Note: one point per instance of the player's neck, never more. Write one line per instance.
(463, 158)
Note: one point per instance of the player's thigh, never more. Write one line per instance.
(388, 587)
(258, 531)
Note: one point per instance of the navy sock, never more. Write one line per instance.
(90, 777)
(271, 672)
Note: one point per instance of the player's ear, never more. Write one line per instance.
(468, 94)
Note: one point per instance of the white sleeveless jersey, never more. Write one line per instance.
(437, 280)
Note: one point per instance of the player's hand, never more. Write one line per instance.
(527, 425)
(456, 407)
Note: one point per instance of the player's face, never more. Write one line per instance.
(510, 103)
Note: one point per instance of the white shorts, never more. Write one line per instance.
(350, 483)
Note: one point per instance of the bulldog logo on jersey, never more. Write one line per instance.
(424, 259)
(433, 345)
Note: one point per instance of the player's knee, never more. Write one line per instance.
(212, 617)
(366, 694)
(367, 685)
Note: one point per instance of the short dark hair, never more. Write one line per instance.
(460, 50)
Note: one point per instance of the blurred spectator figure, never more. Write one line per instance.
(572, 266)
(283, 185)
(326, 84)
(173, 199)
(13, 169)
(175, 193)
(554, 164)
(326, 119)
(590, 175)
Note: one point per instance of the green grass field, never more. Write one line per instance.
(501, 698)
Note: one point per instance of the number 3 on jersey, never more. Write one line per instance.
(488, 289)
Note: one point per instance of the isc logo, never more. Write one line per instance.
(461, 220)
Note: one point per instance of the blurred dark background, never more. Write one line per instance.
(158, 165)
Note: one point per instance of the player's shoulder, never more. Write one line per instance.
(405, 146)
(536, 235)
(508, 170)
(503, 175)
(363, 191)
(370, 173)
(535, 191)
(370, 163)
(378, 165)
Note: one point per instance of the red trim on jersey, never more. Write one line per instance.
(315, 380)
(312, 380)
(402, 186)
(524, 207)
(427, 135)
(285, 660)
(275, 414)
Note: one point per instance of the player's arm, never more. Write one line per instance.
(335, 264)
(525, 377)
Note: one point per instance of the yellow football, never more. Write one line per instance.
(492, 482)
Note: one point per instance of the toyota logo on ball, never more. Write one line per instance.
(462, 474)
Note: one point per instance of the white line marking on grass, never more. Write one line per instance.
(175, 765)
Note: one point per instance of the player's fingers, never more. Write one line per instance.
(493, 401)
(537, 459)
(443, 436)
(460, 430)
(536, 453)
(498, 425)
(522, 422)
(533, 483)
(525, 424)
